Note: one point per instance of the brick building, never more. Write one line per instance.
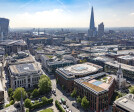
(97, 88)
(66, 75)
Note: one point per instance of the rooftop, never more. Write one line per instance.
(13, 42)
(126, 102)
(21, 69)
(79, 69)
(96, 83)
(127, 57)
(123, 66)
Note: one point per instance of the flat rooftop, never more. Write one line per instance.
(127, 57)
(96, 83)
(123, 66)
(21, 69)
(126, 102)
(79, 69)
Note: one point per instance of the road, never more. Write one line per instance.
(61, 94)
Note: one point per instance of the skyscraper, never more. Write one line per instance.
(100, 29)
(92, 30)
(4, 25)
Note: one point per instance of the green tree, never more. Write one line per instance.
(74, 93)
(84, 102)
(131, 90)
(35, 93)
(44, 100)
(44, 84)
(78, 100)
(28, 103)
(10, 92)
(17, 93)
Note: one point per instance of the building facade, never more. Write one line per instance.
(4, 26)
(100, 30)
(92, 30)
(65, 76)
(24, 75)
(124, 104)
(98, 89)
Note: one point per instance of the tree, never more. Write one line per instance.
(10, 92)
(131, 90)
(44, 100)
(44, 84)
(17, 93)
(28, 103)
(84, 102)
(78, 99)
(35, 93)
(74, 93)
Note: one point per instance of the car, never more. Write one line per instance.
(54, 90)
(63, 100)
(67, 106)
(60, 101)
(64, 106)
(67, 110)
(54, 94)
(32, 101)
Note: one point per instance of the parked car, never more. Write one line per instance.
(67, 106)
(60, 101)
(64, 106)
(63, 100)
(67, 110)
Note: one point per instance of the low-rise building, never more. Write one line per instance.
(98, 89)
(124, 104)
(66, 75)
(13, 46)
(24, 75)
(112, 67)
(51, 63)
(127, 59)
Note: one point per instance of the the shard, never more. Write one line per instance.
(92, 30)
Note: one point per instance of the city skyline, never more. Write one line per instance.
(67, 13)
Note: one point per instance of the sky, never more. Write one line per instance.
(67, 13)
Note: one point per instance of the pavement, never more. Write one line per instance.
(4, 86)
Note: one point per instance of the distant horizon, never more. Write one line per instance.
(67, 13)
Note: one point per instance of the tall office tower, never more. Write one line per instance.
(100, 29)
(4, 25)
(92, 30)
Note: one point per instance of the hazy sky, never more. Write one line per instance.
(67, 13)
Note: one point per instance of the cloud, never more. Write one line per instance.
(49, 18)
(131, 14)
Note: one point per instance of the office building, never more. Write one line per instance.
(24, 75)
(13, 46)
(66, 75)
(4, 26)
(92, 30)
(100, 30)
(98, 89)
(124, 104)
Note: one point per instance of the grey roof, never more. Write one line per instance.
(126, 102)
(13, 42)
(23, 69)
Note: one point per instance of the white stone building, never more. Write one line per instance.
(24, 75)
